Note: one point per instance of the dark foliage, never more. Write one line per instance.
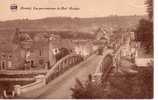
(149, 5)
(87, 90)
(138, 86)
(62, 53)
(144, 31)
(144, 34)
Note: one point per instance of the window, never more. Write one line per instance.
(40, 52)
(56, 50)
(3, 56)
(9, 56)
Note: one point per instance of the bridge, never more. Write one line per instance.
(58, 80)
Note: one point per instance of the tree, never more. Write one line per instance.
(16, 39)
(149, 5)
(144, 31)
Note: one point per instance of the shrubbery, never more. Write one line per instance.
(117, 86)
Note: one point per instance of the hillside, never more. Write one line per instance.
(74, 25)
(67, 23)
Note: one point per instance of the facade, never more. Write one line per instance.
(23, 52)
(84, 48)
(5, 59)
(30, 50)
(104, 33)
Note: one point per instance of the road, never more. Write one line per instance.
(60, 87)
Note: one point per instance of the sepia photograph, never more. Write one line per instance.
(76, 49)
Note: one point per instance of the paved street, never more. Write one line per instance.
(60, 87)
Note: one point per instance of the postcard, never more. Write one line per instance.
(76, 49)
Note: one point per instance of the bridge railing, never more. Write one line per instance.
(22, 72)
(62, 65)
(91, 53)
(40, 82)
(105, 66)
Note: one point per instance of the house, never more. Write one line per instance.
(36, 50)
(24, 49)
(104, 33)
(6, 55)
(83, 48)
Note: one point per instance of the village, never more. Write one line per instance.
(39, 50)
(32, 53)
(65, 49)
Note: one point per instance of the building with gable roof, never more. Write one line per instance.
(32, 50)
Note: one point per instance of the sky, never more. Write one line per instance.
(87, 8)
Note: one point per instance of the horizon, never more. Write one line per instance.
(86, 8)
(20, 19)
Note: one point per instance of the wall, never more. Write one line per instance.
(40, 82)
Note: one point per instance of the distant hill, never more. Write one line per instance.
(76, 25)
(73, 24)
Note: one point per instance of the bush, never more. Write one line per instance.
(118, 86)
(144, 34)
(89, 90)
